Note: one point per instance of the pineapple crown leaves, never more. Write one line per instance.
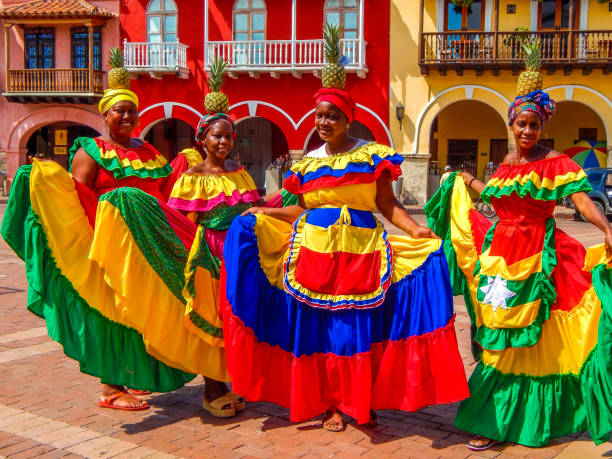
(216, 74)
(332, 48)
(116, 58)
(533, 55)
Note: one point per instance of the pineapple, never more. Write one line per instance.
(531, 79)
(333, 74)
(216, 101)
(118, 76)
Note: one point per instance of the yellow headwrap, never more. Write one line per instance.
(112, 96)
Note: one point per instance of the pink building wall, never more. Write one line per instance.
(19, 121)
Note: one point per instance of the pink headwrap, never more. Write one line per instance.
(339, 98)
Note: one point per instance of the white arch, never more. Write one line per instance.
(252, 105)
(168, 106)
(469, 92)
(569, 96)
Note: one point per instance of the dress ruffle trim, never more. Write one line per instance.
(142, 162)
(86, 335)
(363, 165)
(202, 192)
(547, 180)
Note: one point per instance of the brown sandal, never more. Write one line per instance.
(108, 401)
(338, 428)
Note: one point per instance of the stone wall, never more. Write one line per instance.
(415, 171)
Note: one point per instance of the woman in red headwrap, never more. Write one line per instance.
(323, 311)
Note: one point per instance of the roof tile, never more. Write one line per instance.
(55, 9)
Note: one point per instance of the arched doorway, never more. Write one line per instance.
(575, 123)
(170, 136)
(467, 135)
(356, 129)
(53, 141)
(258, 143)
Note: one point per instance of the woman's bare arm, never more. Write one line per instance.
(393, 211)
(84, 168)
(591, 212)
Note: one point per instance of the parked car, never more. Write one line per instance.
(601, 181)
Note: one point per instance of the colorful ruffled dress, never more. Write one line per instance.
(540, 305)
(213, 200)
(57, 225)
(332, 311)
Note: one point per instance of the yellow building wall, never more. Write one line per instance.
(522, 17)
(569, 117)
(469, 120)
(599, 16)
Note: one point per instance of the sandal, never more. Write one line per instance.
(373, 422)
(338, 427)
(216, 407)
(138, 392)
(238, 401)
(482, 447)
(109, 402)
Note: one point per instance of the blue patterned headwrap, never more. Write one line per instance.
(536, 101)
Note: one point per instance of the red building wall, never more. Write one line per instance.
(283, 101)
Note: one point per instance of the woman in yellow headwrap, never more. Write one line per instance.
(59, 224)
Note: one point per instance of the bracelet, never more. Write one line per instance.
(470, 184)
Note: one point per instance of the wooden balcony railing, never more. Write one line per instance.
(59, 81)
(572, 48)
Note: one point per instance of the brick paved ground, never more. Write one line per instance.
(48, 408)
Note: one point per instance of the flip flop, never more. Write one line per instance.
(216, 407)
(109, 402)
(138, 392)
(338, 428)
(238, 401)
(482, 447)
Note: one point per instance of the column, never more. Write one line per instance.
(90, 56)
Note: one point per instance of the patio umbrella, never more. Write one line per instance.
(588, 153)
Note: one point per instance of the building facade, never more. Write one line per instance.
(54, 61)
(454, 70)
(275, 58)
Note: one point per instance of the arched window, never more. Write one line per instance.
(346, 14)
(161, 21)
(249, 20)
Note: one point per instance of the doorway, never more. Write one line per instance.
(170, 136)
(258, 143)
(463, 154)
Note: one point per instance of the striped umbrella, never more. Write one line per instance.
(589, 153)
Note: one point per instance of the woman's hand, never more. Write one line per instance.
(466, 177)
(608, 242)
(421, 232)
(254, 211)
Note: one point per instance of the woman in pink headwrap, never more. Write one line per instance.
(323, 311)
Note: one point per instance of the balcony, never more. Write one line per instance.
(569, 49)
(156, 59)
(283, 56)
(54, 85)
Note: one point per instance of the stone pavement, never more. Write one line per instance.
(48, 408)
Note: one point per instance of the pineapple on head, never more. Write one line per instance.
(216, 101)
(118, 76)
(333, 74)
(531, 79)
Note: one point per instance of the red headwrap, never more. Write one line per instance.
(339, 98)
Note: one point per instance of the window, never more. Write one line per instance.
(161, 21)
(464, 17)
(249, 20)
(344, 13)
(555, 14)
(79, 45)
(39, 48)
